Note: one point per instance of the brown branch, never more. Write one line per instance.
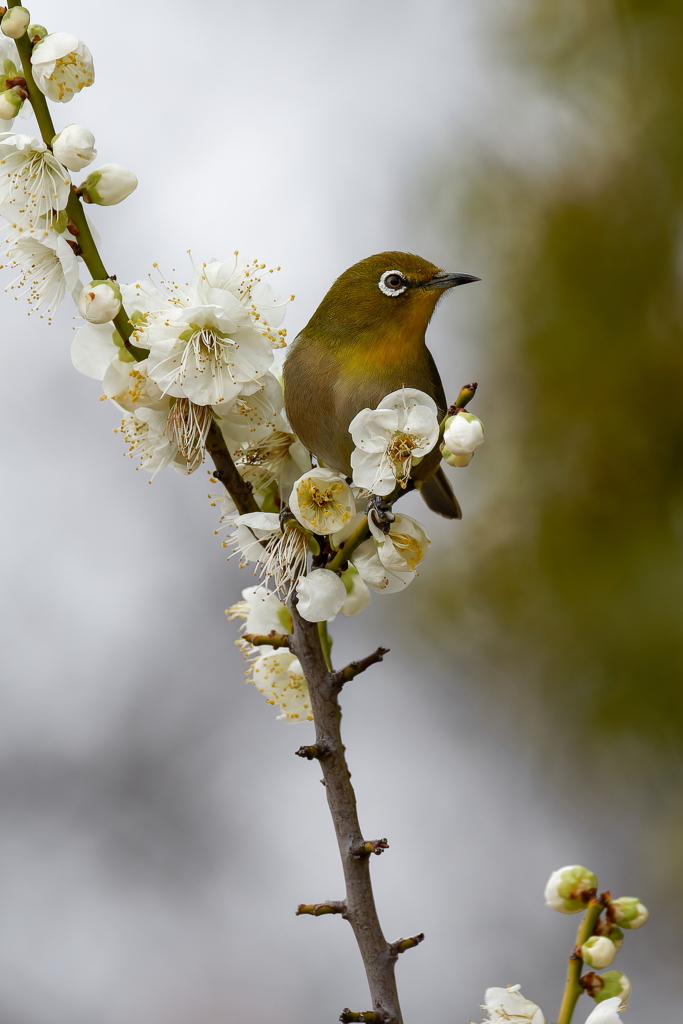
(226, 472)
(345, 675)
(401, 945)
(378, 959)
(271, 639)
(318, 909)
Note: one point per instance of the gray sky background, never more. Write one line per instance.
(157, 832)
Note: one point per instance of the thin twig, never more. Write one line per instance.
(345, 675)
(318, 909)
(376, 846)
(401, 945)
(271, 639)
(572, 988)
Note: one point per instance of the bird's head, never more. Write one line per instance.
(390, 294)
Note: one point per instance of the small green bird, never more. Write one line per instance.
(365, 340)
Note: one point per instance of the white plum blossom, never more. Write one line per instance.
(322, 501)
(108, 185)
(606, 1012)
(628, 912)
(392, 438)
(15, 22)
(404, 546)
(48, 267)
(262, 612)
(357, 592)
(144, 432)
(250, 418)
(100, 301)
(320, 595)
(280, 551)
(246, 280)
(94, 347)
(279, 676)
(569, 888)
(62, 66)
(206, 350)
(126, 382)
(376, 575)
(598, 951)
(508, 1004)
(34, 186)
(463, 434)
(74, 147)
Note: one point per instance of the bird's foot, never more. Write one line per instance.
(380, 510)
(286, 515)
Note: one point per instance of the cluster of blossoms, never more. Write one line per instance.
(36, 188)
(198, 369)
(571, 890)
(332, 541)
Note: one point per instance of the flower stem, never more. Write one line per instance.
(572, 988)
(74, 208)
(360, 534)
(326, 644)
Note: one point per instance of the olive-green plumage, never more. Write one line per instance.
(365, 340)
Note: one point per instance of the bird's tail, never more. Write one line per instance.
(438, 494)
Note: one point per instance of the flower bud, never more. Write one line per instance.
(108, 185)
(36, 33)
(570, 888)
(605, 927)
(74, 147)
(462, 434)
(15, 22)
(99, 301)
(610, 985)
(628, 912)
(10, 104)
(598, 951)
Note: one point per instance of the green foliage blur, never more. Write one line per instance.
(569, 593)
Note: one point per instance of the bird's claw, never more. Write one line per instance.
(286, 515)
(380, 510)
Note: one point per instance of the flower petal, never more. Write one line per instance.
(320, 595)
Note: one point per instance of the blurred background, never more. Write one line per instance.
(156, 830)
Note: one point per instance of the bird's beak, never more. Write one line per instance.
(443, 279)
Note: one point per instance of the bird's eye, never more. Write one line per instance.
(392, 283)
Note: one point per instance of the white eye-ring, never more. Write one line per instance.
(392, 282)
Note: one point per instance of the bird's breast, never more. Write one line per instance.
(326, 387)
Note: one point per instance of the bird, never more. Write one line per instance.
(365, 340)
